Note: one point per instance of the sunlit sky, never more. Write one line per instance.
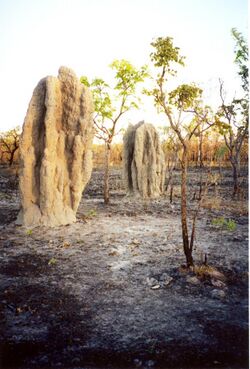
(38, 36)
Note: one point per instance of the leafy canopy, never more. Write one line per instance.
(241, 57)
(110, 104)
(185, 96)
(166, 57)
(166, 54)
(183, 106)
(101, 98)
(233, 117)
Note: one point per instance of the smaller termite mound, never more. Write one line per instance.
(143, 161)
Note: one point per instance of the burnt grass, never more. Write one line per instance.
(81, 296)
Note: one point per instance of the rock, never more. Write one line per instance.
(218, 283)
(193, 280)
(165, 279)
(143, 161)
(76, 360)
(150, 363)
(152, 282)
(137, 363)
(55, 151)
(218, 294)
(44, 359)
(135, 242)
(114, 252)
(238, 238)
(66, 244)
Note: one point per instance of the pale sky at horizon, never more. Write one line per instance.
(38, 36)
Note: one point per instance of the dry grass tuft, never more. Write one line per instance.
(212, 203)
(237, 207)
(207, 271)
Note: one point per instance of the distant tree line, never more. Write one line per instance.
(214, 152)
(9, 145)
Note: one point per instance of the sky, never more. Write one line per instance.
(38, 36)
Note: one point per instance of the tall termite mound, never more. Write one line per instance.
(143, 161)
(55, 151)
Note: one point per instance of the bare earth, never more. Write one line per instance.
(109, 291)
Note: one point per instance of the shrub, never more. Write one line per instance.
(223, 223)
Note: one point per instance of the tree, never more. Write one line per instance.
(9, 142)
(110, 105)
(185, 99)
(234, 128)
(241, 58)
(233, 117)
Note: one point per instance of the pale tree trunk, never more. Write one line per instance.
(106, 173)
(185, 238)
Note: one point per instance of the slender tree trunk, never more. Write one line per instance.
(220, 171)
(106, 173)
(235, 179)
(234, 160)
(11, 159)
(171, 193)
(197, 157)
(201, 184)
(185, 238)
(12, 155)
(201, 150)
(170, 175)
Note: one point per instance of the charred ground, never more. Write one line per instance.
(109, 291)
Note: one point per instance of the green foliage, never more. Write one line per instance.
(241, 57)
(231, 225)
(186, 99)
(221, 222)
(232, 119)
(241, 106)
(185, 96)
(52, 261)
(84, 81)
(29, 232)
(166, 57)
(101, 97)
(218, 221)
(111, 103)
(221, 126)
(127, 76)
(166, 54)
(92, 213)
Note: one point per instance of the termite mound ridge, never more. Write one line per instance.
(143, 161)
(55, 151)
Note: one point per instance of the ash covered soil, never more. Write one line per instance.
(109, 291)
